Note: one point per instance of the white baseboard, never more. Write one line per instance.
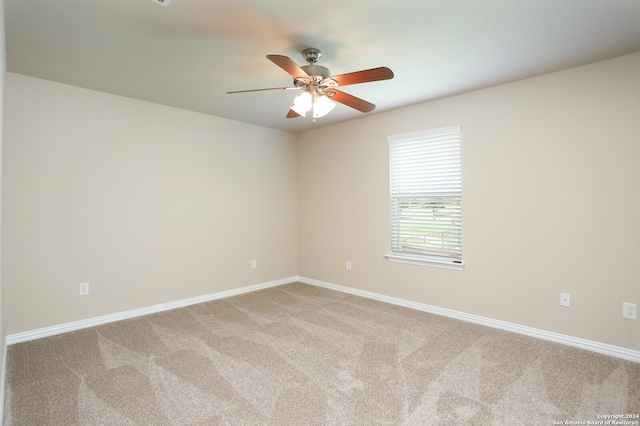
(91, 322)
(590, 345)
(602, 348)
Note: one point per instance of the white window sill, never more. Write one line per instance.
(424, 261)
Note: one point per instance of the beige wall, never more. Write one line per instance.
(153, 204)
(148, 204)
(551, 167)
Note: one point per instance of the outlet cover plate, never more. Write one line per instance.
(84, 289)
(629, 310)
(565, 299)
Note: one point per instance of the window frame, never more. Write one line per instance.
(427, 139)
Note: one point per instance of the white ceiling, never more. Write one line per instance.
(189, 54)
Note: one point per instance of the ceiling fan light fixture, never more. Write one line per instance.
(302, 103)
(322, 106)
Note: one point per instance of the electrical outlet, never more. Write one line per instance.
(629, 310)
(565, 299)
(84, 289)
(348, 265)
(254, 264)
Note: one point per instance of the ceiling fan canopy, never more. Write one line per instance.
(319, 87)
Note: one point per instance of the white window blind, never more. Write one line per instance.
(425, 170)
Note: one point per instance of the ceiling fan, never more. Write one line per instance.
(319, 88)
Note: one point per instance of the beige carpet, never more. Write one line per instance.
(302, 355)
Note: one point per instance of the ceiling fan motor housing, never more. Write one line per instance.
(316, 70)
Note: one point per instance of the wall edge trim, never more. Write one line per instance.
(133, 313)
(576, 342)
(580, 343)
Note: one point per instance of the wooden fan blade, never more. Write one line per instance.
(374, 74)
(292, 114)
(261, 90)
(288, 65)
(350, 100)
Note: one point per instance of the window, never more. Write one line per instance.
(425, 171)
